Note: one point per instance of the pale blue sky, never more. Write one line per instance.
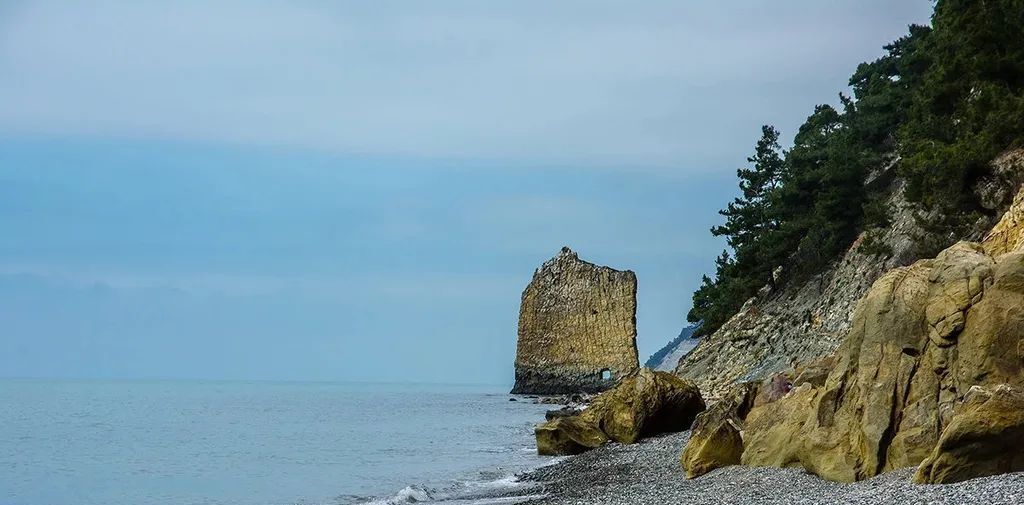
(360, 190)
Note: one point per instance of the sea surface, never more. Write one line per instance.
(258, 443)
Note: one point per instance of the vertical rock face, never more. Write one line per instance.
(931, 370)
(577, 327)
(809, 320)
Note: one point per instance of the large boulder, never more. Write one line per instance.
(648, 403)
(715, 440)
(567, 436)
(644, 403)
(985, 438)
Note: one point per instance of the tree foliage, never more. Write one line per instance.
(942, 101)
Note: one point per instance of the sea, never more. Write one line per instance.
(66, 442)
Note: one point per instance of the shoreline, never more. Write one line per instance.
(649, 472)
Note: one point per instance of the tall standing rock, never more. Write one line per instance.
(577, 327)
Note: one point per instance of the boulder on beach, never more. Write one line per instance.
(985, 438)
(644, 403)
(567, 436)
(715, 440)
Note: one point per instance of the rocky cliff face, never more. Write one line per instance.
(799, 322)
(931, 373)
(923, 338)
(577, 327)
(808, 320)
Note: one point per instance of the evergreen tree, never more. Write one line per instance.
(943, 101)
(748, 217)
(969, 103)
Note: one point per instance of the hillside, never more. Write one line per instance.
(923, 153)
(667, 357)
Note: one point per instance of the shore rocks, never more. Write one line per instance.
(810, 319)
(644, 403)
(715, 440)
(577, 328)
(985, 438)
(562, 412)
(568, 436)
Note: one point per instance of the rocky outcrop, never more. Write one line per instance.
(715, 440)
(921, 340)
(644, 403)
(799, 322)
(805, 321)
(985, 438)
(577, 328)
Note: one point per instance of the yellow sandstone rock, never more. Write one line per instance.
(920, 340)
(577, 328)
(644, 403)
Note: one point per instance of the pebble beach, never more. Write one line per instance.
(649, 473)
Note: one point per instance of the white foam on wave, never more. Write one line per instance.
(506, 482)
(465, 492)
(408, 494)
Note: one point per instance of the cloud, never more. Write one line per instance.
(599, 83)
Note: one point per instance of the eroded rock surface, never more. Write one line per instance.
(644, 403)
(715, 441)
(799, 322)
(577, 328)
(985, 438)
(802, 322)
(921, 339)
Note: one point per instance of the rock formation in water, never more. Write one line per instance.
(931, 373)
(577, 328)
(644, 403)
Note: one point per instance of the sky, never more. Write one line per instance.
(360, 191)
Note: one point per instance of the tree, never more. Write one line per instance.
(748, 217)
(941, 101)
(968, 105)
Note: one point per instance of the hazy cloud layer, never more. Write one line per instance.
(309, 190)
(622, 84)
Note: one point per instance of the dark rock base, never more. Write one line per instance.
(537, 382)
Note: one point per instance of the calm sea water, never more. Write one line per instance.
(238, 443)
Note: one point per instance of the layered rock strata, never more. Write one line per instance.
(801, 322)
(930, 372)
(577, 328)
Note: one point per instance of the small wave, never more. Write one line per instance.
(490, 490)
(506, 482)
(408, 494)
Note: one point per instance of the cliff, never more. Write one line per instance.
(808, 320)
(928, 373)
(577, 328)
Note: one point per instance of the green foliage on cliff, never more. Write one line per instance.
(941, 103)
(968, 101)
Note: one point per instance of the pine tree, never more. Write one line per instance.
(749, 218)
